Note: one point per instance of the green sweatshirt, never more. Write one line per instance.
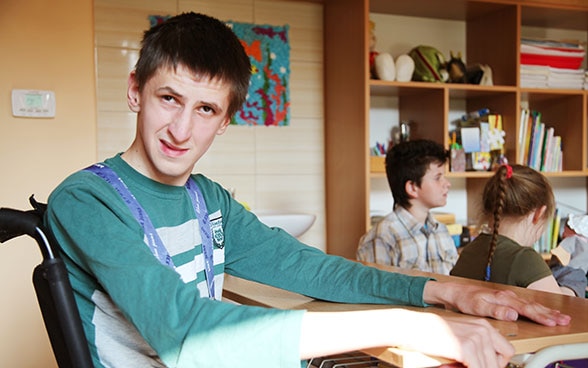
(138, 312)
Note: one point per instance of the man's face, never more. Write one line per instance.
(434, 187)
(178, 117)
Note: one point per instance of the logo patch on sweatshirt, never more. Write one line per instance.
(216, 225)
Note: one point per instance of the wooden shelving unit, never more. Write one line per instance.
(349, 88)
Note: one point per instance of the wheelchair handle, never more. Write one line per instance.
(14, 223)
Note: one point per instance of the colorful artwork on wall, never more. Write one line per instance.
(268, 101)
(157, 19)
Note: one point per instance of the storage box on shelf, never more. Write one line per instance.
(492, 31)
(377, 164)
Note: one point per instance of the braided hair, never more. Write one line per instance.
(514, 191)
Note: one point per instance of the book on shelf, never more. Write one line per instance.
(531, 137)
(557, 159)
(547, 150)
(556, 228)
(522, 134)
(531, 117)
(540, 148)
(535, 155)
(550, 237)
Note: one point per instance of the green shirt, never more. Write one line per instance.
(512, 264)
(137, 312)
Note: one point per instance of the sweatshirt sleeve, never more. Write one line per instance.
(272, 256)
(103, 248)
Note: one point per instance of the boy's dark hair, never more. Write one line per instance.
(409, 161)
(204, 45)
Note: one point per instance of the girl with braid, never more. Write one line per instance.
(517, 203)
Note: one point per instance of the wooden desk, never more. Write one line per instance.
(526, 336)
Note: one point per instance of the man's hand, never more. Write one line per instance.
(468, 340)
(499, 304)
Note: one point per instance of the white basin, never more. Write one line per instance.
(294, 224)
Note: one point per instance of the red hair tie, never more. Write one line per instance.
(508, 171)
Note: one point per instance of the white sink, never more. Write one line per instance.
(294, 224)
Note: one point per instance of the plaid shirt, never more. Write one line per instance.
(399, 240)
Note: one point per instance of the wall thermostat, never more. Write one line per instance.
(33, 103)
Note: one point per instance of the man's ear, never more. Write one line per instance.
(411, 189)
(223, 127)
(133, 95)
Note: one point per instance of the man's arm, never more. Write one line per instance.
(471, 341)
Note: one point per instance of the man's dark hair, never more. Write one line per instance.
(409, 161)
(204, 45)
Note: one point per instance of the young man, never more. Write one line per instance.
(147, 243)
(409, 237)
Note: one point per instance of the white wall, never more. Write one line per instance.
(44, 45)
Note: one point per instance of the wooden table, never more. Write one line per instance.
(526, 336)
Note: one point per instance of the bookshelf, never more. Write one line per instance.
(349, 92)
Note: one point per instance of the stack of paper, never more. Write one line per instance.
(534, 76)
(557, 54)
(552, 64)
(565, 78)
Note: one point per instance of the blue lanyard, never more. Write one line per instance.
(153, 240)
(206, 233)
